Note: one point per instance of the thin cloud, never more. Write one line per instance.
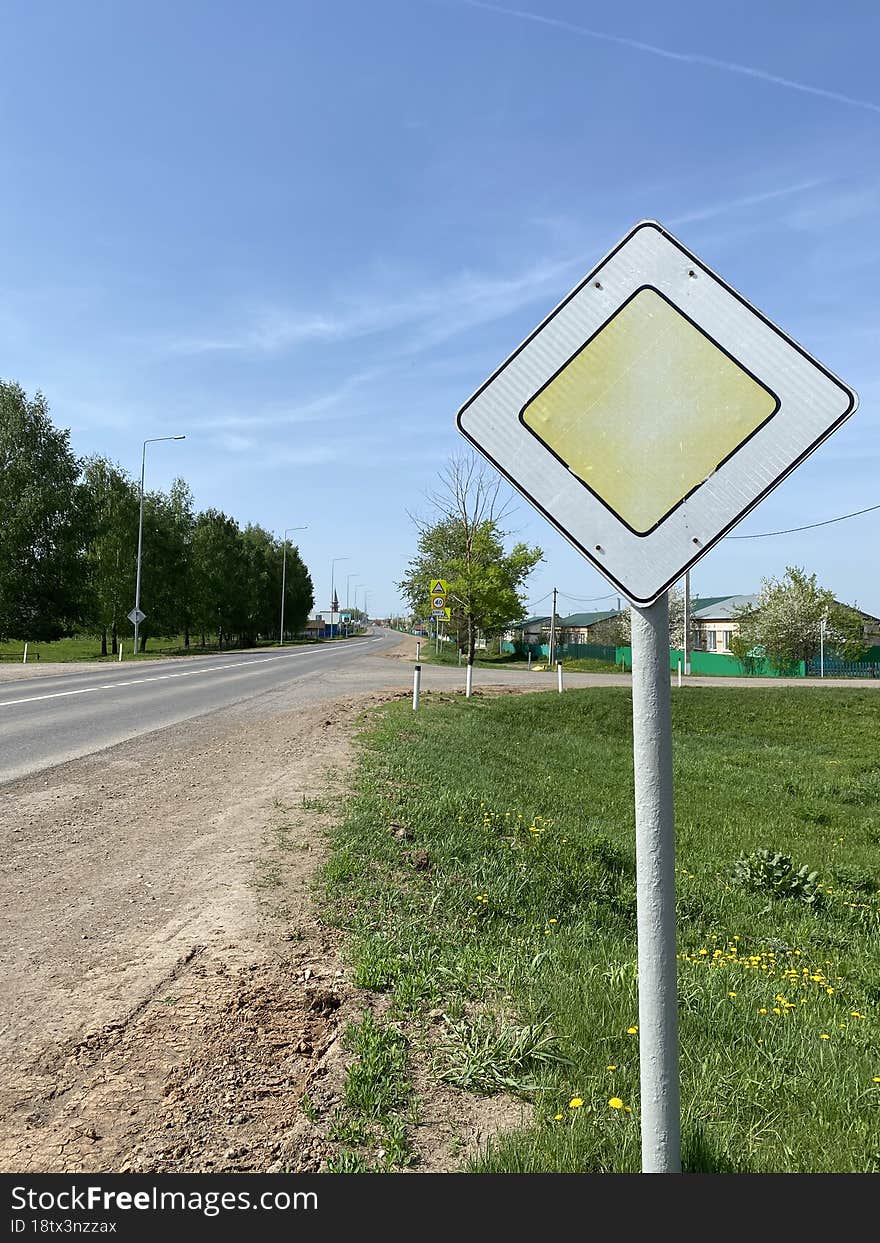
(688, 58)
(438, 311)
(749, 200)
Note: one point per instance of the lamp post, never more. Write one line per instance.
(284, 580)
(354, 596)
(137, 590)
(348, 579)
(333, 588)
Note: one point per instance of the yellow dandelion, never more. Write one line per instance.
(876, 1079)
(611, 1068)
(731, 994)
(632, 1031)
(763, 1010)
(616, 1102)
(557, 1117)
(824, 1036)
(575, 1103)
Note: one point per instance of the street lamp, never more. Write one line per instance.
(137, 619)
(284, 580)
(355, 591)
(333, 588)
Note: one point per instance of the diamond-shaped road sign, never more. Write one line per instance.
(651, 411)
(136, 617)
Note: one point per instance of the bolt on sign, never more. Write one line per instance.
(647, 415)
(651, 411)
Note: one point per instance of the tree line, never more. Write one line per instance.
(68, 549)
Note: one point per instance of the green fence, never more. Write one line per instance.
(707, 664)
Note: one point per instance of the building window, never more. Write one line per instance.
(726, 636)
(711, 640)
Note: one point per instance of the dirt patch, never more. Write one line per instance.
(173, 1000)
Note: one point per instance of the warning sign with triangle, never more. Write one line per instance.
(439, 586)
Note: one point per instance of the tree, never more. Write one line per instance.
(784, 624)
(43, 522)
(618, 630)
(465, 546)
(111, 498)
(218, 572)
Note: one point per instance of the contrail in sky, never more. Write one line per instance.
(689, 58)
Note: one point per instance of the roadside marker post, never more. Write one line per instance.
(468, 681)
(121, 645)
(417, 682)
(418, 649)
(645, 417)
(24, 657)
(679, 673)
(559, 676)
(530, 660)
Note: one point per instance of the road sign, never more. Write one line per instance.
(441, 614)
(438, 602)
(439, 587)
(136, 616)
(651, 411)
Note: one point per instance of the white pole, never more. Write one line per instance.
(552, 631)
(418, 649)
(679, 673)
(24, 658)
(655, 890)
(821, 647)
(559, 676)
(530, 660)
(121, 645)
(459, 658)
(469, 681)
(137, 588)
(283, 588)
(687, 622)
(417, 682)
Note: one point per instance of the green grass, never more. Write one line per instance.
(88, 647)
(369, 1120)
(590, 664)
(448, 655)
(485, 871)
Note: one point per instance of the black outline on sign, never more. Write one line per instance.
(703, 548)
(727, 457)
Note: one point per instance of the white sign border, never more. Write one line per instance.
(809, 396)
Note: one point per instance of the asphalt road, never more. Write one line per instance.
(52, 719)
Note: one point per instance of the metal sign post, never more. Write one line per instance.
(655, 890)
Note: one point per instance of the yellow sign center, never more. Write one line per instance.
(648, 410)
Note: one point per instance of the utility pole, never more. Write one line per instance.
(687, 621)
(552, 631)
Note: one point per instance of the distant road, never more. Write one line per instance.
(52, 719)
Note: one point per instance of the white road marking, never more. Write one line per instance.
(189, 673)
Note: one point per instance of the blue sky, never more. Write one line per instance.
(303, 233)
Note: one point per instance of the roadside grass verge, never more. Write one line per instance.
(448, 655)
(484, 874)
(88, 647)
(590, 664)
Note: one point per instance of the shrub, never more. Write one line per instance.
(773, 872)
